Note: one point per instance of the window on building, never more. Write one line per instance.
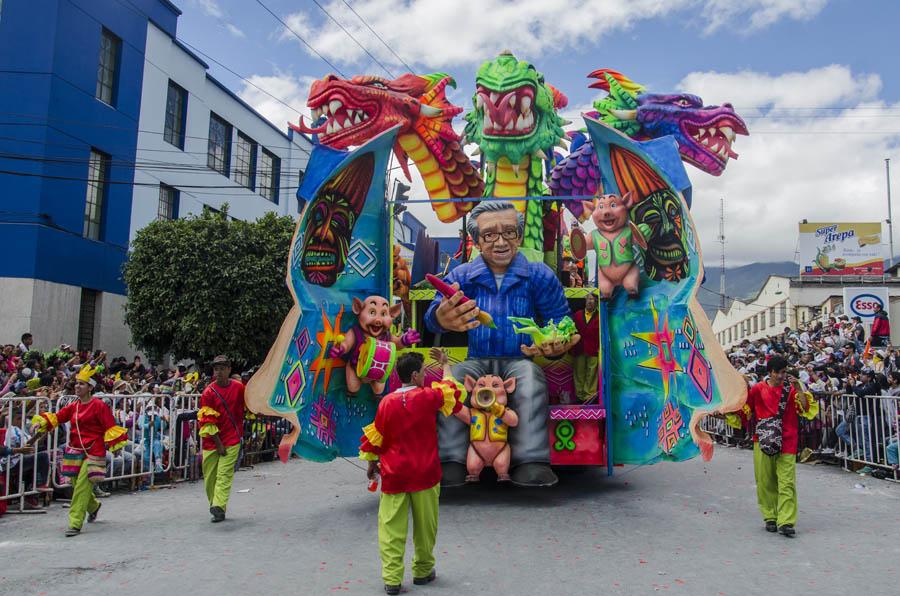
(244, 168)
(108, 68)
(269, 175)
(87, 316)
(176, 115)
(782, 312)
(168, 203)
(98, 177)
(772, 317)
(762, 320)
(218, 154)
(755, 326)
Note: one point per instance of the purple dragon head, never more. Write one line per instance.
(705, 134)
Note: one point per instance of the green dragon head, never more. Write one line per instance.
(515, 111)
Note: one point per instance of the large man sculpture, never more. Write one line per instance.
(504, 284)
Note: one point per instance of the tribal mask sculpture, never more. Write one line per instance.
(666, 254)
(333, 215)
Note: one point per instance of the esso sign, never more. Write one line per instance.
(866, 305)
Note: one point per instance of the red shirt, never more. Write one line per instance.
(233, 396)
(88, 424)
(407, 422)
(589, 332)
(763, 401)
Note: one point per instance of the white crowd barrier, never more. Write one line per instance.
(855, 431)
(24, 477)
(163, 444)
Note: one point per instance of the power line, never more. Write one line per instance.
(377, 61)
(306, 43)
(408, 67)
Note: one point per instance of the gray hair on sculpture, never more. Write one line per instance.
(490, 207)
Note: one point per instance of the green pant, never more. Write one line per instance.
(393, 520)
(218, 474)
(83, 499)
(776, 486)
(585, 370)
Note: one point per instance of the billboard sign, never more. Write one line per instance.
(838, 248)
(863, 302)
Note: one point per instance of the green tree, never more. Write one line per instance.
(206, 285)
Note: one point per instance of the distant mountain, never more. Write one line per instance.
(740, 282)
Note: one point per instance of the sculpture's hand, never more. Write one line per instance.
(453, 316)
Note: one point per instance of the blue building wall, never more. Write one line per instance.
(50, 120)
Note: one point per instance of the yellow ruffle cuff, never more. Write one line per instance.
(208, 430)
(115, 437)
(367, 455)
(207, 415)
(372, 434)
(813, 409)
(453, 392)
(46, 421)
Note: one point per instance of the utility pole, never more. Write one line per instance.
(890, 219)
(722, 242)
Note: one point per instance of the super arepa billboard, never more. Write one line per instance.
(841, 248)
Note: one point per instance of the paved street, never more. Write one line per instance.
(307, 528)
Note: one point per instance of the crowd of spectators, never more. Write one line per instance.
(26, 371)
(29, 372)
(838, 357)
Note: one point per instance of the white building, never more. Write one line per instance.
(795, 302)
(191, 120)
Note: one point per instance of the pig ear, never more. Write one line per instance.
(395, 310)
(628, 198)
(588, 205)
(510, 385)
(469, 383)
(357, 305)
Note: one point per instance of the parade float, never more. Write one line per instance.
(661, 369)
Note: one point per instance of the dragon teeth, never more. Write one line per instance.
(335, 105)
(358, 119)
(728, 132)
(329, 128)
(347, 123)
(512, 101)
(525, 104)
(494, 96)
(479, 101)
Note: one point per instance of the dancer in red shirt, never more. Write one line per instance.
(221, 419)
(402, 445)
(776, 475)
(92, 430)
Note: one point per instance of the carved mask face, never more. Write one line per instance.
(666, 255)
(330, 220)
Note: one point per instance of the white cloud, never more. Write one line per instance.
(759, 14)
(442, 33)
(817, 153)
(233, 29)
(291, 90)
(213, 9)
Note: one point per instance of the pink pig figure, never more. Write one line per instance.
(612, 240)
(374, 317)
(489, 421)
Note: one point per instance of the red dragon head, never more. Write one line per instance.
(358, 109)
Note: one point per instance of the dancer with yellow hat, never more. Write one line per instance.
(92, 431)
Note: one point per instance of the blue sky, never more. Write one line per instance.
(816, 81)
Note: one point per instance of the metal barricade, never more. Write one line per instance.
(866, 431)
(24, 477)
(153, 448)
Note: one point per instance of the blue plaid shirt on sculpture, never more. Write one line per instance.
(528, 290)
